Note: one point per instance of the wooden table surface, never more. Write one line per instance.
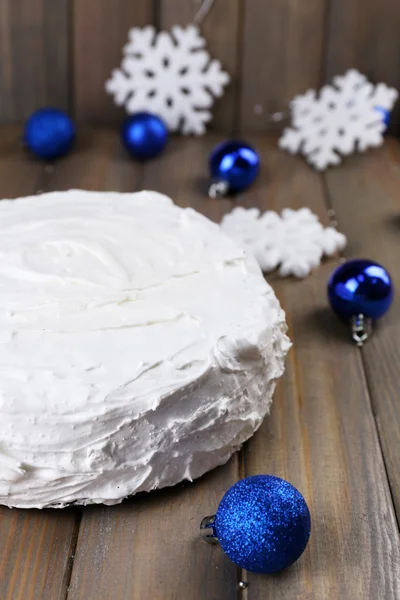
(334, 428)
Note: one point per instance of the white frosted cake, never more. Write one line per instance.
(139, 346)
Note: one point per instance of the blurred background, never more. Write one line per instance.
(60, 52)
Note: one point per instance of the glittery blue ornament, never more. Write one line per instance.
(262, 523)
(360, 291)
(234, 166)
(49, 133)
(144, 135)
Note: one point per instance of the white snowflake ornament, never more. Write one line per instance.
(170, 75)
(295, 240)
(345, 117)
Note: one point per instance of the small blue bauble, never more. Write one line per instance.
(360, 287)
(144, 135)
(235, 163)
(49, 133)
(263, 524)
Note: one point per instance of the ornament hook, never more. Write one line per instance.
(360, 292)
(218, 188)
(361, 328)
(207, 530)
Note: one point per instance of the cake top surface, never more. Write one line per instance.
(108, 294)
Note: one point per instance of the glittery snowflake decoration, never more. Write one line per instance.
(168, 74)
(295, 240)
(346, 116)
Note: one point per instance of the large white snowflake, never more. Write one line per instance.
(346, 116)
(295, 240)
(168, 74)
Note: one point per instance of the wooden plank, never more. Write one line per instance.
(321, 434)
(281, 57)
(221, 30)
(99, 162)
(34, 48)
(149, 547)
(20, 174)
(182, 174)
(363, 34)
(100, 32)
(35, 547)
(36, 553)
(365, 193)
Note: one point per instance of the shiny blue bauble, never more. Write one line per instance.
(144, 135)
(49, 133)
(263, 524)
(360, 287)
(235, 162)
(385, 114)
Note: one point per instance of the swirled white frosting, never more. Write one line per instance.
(139, 346)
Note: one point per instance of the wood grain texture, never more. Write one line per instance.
(273, 50)
(36, 553)
(35, 547)
(365, 193)
(321, 434)
(149, 547)
(100, 30)
(221, 28)
(365, 34)
(20, 174)
(34, 65)
(98, 162)
(282, 55)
